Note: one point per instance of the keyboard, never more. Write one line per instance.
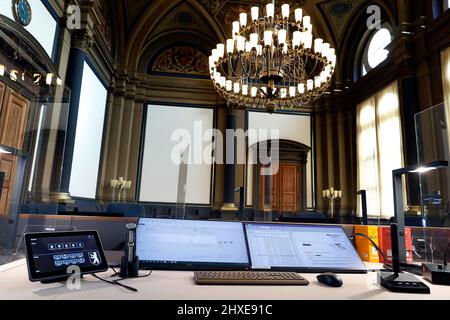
(249, 277)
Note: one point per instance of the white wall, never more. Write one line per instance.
(159, 174)
(88, 138)
(291, 127)
(42, 25)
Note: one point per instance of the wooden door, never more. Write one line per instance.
(13, 120)
(8, 166)
(289, 187)
(285, 189)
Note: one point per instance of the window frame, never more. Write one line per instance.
(363, 62)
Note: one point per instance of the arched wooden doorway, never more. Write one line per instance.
(286, 190)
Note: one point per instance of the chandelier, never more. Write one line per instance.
(272, 62)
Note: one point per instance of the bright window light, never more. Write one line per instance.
(377, 52)
(88, 137)
(43, 25)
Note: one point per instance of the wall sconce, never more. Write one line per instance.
(399, 210)
(331, 195)
(120, 185)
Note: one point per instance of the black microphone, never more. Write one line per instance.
(130, 262)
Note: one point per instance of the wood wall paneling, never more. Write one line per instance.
(8, 166)
(13, 120)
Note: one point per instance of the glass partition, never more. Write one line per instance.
(433, 144)
(34, 105)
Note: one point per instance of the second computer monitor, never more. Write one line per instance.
(302, 248)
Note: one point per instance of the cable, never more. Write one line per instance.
(445, 253)
(115, 282)
(417, 270)
(373, 243)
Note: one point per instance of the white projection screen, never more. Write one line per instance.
(168, 131)
(88, 137)
(294, 127)
(42, 26)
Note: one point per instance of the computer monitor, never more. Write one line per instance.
(191, 245)
(301, 248)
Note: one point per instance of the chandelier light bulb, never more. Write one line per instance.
(243, 19)
(310, 84)
(220, 50)
(296, 38)
(318, 45)
(270, 10)
(308, 40)
(236, 87)
(255, 13)
(285, 11)
(331, 53)
(283, 93)
(245, 89)
(211, 64)
(268, 35)
(317, 82)
(215, 55)
(282, 33)
(306, 21)
(236, 28)
(263, 91)
(254, 91)
(298, 15)
(259, 49)
(301, 88)
(292, 91)
(240, 43)
(254, 38)
(2, 70)
(228, 85)
(248, 47)
(325, 49)
(230, 46)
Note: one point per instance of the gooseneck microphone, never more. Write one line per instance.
(130, 262)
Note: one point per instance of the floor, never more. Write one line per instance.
(7, 256)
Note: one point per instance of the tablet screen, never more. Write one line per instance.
(49, 255)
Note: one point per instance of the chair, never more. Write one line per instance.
(127, 209)
(43, 208)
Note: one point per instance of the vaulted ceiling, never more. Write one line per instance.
(138, 20)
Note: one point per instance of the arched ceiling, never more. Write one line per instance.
(140, 18)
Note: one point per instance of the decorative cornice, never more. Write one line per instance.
(82, 40)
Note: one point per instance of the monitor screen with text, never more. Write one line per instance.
(301, 247)
(188, 243)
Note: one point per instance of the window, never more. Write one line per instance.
(43, 25)
(445, 61)
(379, 147)
(88, 137)
(375, 51)
(446, 4)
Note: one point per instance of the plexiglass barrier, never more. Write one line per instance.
(34, 105)
(433, 144)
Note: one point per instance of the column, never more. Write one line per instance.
(81, 42)
(230, 163)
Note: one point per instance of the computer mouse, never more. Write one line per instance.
(330, 279)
